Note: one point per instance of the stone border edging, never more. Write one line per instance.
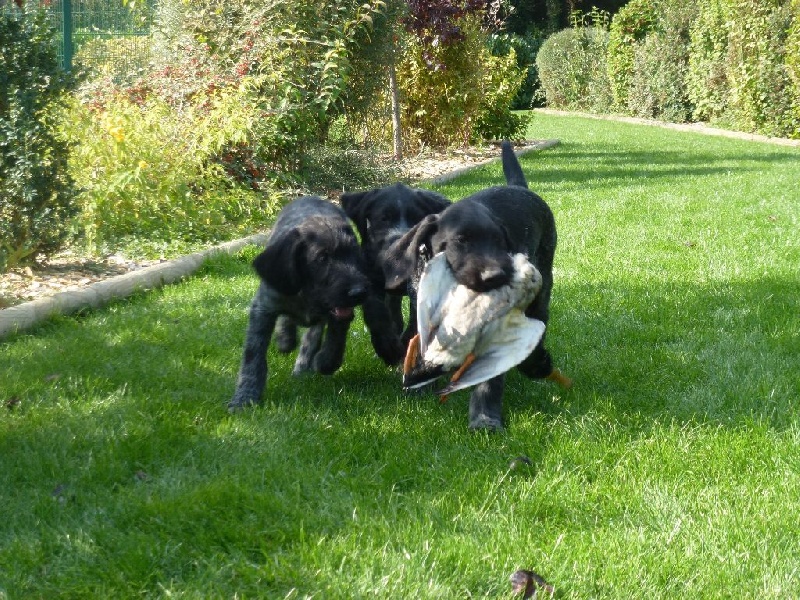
(458, 172)
(689, 127)
(25, 315)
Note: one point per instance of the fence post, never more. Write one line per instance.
(66, 15)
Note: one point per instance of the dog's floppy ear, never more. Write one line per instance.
(431, 202)
(278, 265)
(402, 256)
(355, 205)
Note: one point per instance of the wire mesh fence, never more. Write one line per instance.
(103, 37)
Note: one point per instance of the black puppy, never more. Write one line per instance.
(477, 235)
(382, 216)
(312, 274)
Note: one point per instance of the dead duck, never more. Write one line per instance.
(479, 335)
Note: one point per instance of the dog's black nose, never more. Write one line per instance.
(357, 293)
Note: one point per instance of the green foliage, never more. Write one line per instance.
(151, 170)
(502, 82)
(526, 47)
(760, 88)
(741, 65)
(571, 66)
(237, 100)
(657, 82)
(629, 26)
(466, 94)
(365, 98)
(707, 82)
(300, 54)
(118, 57)
(36, 190)
(793, 63)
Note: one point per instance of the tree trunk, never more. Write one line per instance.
(397, 134)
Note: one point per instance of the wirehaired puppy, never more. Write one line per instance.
(313, 275)
(478, 236)
(382, 216)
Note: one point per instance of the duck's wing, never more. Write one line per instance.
(434, 286)
(502, 346)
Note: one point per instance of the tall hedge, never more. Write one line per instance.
(707, 80)
(37, 196)
(793, 61)
(630, 25)
(657, 81)
(743, 69)
(759, 81)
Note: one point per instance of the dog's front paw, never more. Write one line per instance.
(243, 398)
(326, 363)
(484, 422)
(302, 367)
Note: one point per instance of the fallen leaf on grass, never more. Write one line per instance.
(53, 377)
(529, 583)
(12, 402)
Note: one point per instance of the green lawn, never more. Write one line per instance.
(670, 470)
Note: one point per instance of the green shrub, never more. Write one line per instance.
(571, 65)
(466, 96)
(503, 80)
(36, 191)
(657, 83)
(760, 87)
(629, 26)
(707, 80)
(121, 58)
(152, 170)
(741, 73)
(526, 48)
(793, 65)
(300, 55)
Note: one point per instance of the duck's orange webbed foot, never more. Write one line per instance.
(412, 354)
(560, 379)
(457, 375)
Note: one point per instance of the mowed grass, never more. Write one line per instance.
(671, 469)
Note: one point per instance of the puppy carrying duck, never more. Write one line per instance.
(478, 237)
(479, 335)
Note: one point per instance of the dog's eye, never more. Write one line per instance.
(322, 258)
(460, 239)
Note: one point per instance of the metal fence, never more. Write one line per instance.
(105, 37)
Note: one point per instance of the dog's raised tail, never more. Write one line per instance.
(511, 168)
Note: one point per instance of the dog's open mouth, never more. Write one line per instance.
(342, 312)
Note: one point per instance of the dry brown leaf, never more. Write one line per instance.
(529, 583)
